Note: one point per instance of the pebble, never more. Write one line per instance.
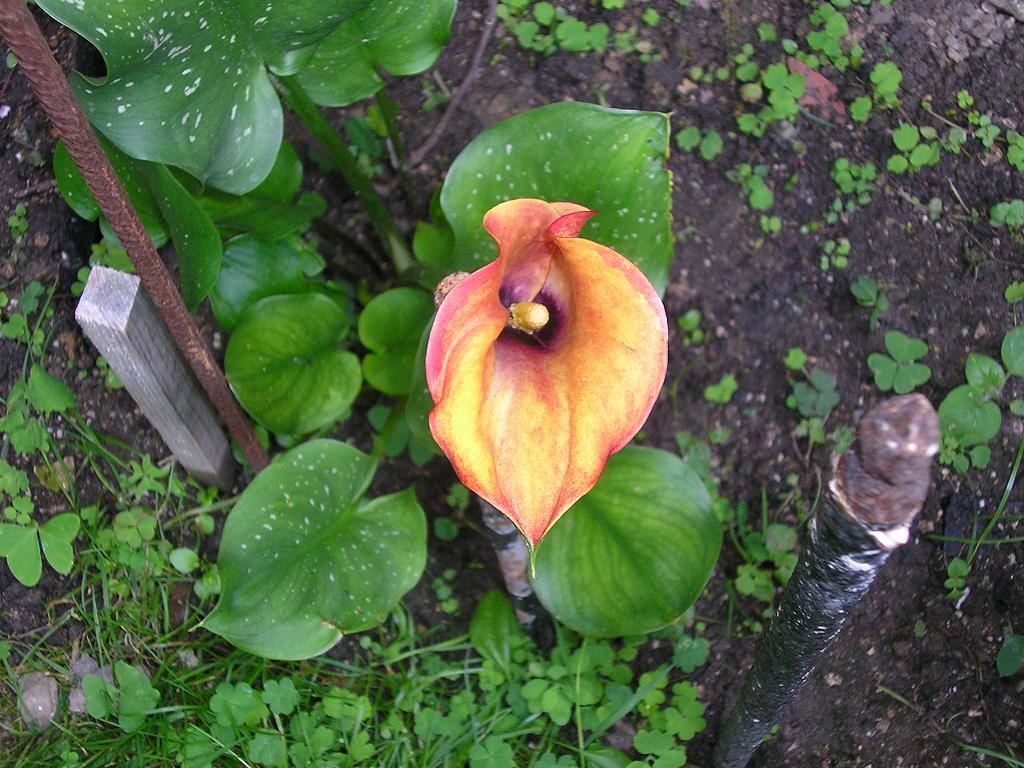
(38, 702)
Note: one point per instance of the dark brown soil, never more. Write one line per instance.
(912, 675)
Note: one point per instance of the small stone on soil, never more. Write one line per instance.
(38, 702)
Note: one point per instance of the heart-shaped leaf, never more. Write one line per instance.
(253, 269)
(285, 363)
(909, 376)
(304, 558)
(612, 161)
(968, 417)
(56, 536)
(187, 83)
(390, 327)
(903, 348)
(633, 554)
(20, 545)
(384, 35)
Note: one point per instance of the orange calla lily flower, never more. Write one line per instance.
(543, 363)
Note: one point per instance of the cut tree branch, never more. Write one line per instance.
(877, 490)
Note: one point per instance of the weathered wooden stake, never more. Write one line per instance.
(121, 321)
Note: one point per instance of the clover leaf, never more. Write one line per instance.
(20, 544)
(900, 373)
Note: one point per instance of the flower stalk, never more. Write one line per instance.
(878, 487)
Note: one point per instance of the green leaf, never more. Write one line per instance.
(1011, 655)
(984, 372)
(56, 536)
(711, 146)
(761, 197)
(129, 172)
(190, 88)
(492, 628)
(903, 348)
(688, 138)
(253, 268)
(196, 240)
(20, 545)
(390, 326)
(285, 365)
(690, 653)
(796, 359)
(184, 560)
(885, 370)
(384, 34)
(48, 394)
(99, 696)
(967, 416)
(633, 554)
(137, 697)
(280, 696)
(1014, 292)
(612, 161)
(1012, 351)
(906, 137)
(270, 211)
(909, 376)
(897, 164)
(304, 558)
(420, 403)
(268, 749)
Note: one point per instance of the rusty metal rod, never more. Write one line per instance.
(21, 32)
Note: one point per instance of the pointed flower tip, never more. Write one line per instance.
(543, 363)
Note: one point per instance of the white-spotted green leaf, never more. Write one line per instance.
(253, 268)
(609, 160)
(304, 558)
(633, 554)
(399, 36)
(187, 80)
(390, 327)
(286, 364)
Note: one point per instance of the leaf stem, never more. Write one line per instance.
(399, 155)
(1010, 482)
(382, 438)
(345, 163)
